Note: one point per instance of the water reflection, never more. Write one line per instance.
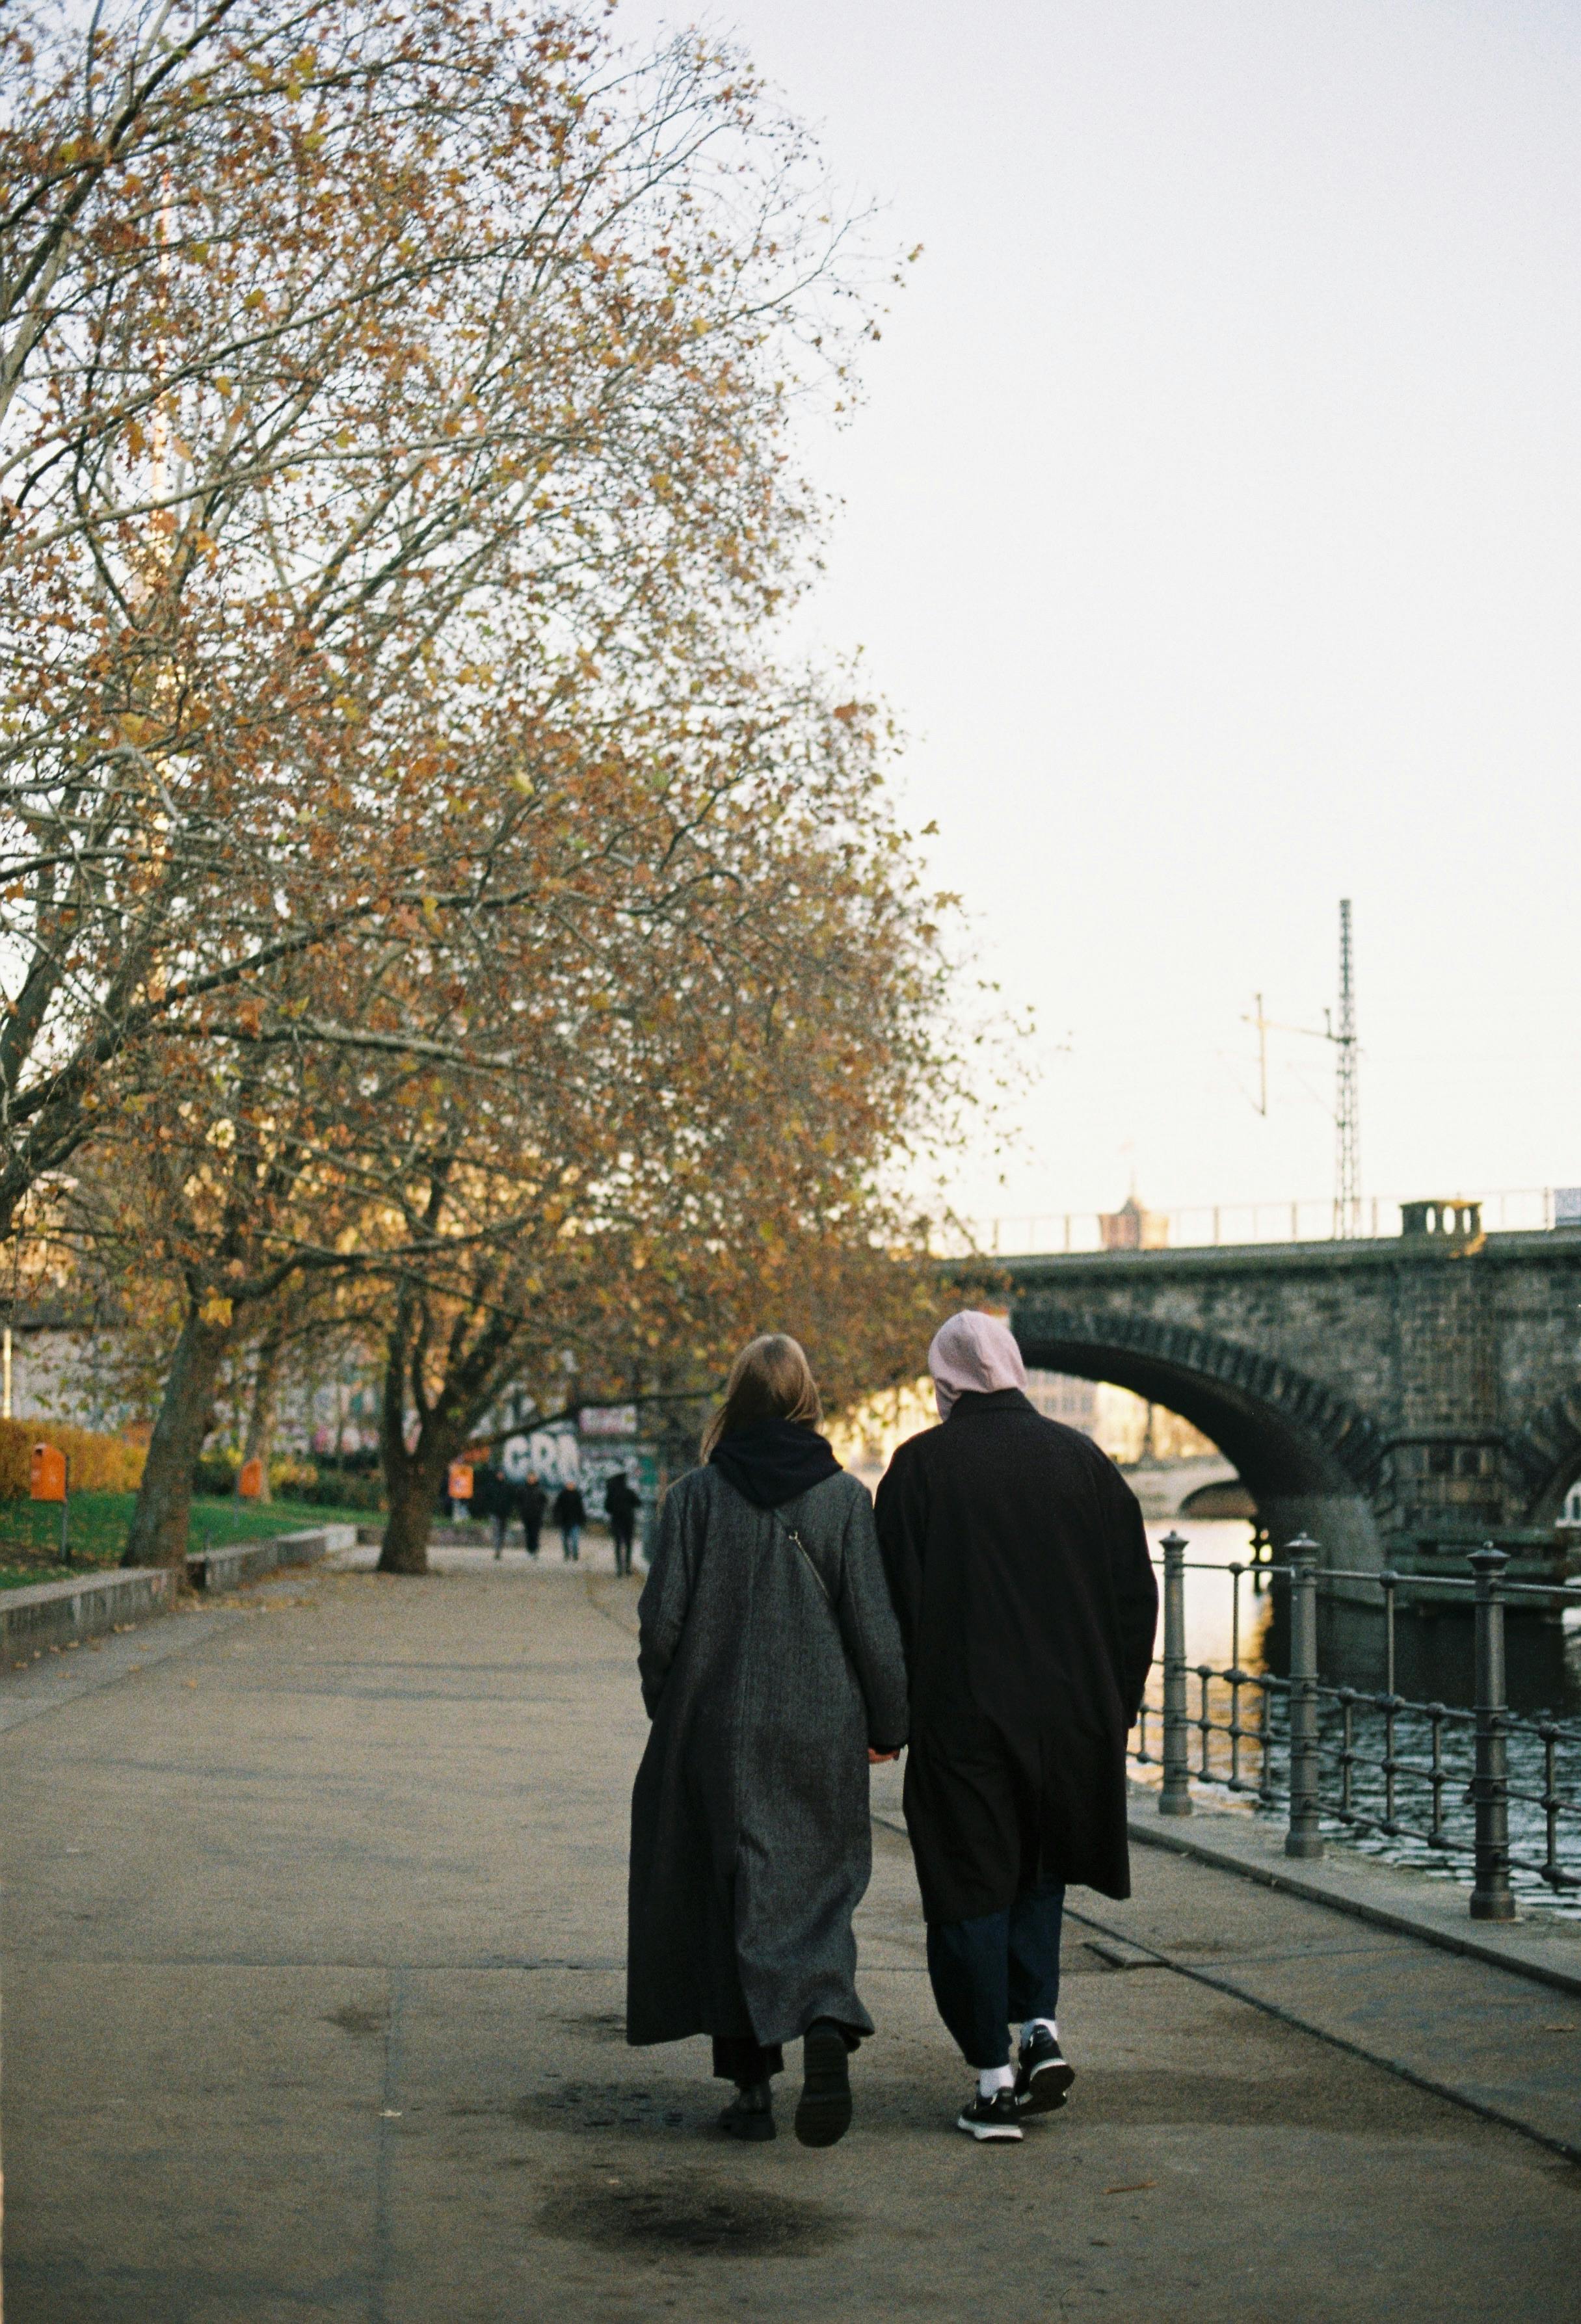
(1433, 1645)
(1238, 1733)
(1219, 1543)
(1434, 1655)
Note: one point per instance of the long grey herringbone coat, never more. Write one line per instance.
(767, 1671)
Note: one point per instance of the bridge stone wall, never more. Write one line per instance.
(1363, 1389)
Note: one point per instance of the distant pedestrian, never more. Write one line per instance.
(533, 1501)
(571, 1513)
(772, 1673)
(492, 1498)
(620, 1506)
(1019, 1569)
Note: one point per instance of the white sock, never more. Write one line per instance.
(1031, 2025)
(992, 2079)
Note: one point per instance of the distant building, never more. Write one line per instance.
(1130, 1227)
(864, 1437)
(1129, 1429)
(52, 1367)
(1059, 1397)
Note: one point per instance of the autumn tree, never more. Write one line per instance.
(378, 378)
(725, 1023)
(651, 1089)
(361, 362)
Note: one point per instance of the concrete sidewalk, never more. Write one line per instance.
(313, 1934)
(1541, 1945)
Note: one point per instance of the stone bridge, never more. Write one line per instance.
(1375, 1393)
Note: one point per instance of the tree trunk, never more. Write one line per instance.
(412, 1478)
(412, 1493)
(158, 1535)
(264, 1409)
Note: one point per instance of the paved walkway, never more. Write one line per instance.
(312, 1991)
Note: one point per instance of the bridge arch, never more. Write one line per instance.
(1545, 1456)
(1311, 1460)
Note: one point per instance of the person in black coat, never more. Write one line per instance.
(533, 1501)
(1019, 1569)
(620, 1506)
(493, 1498)
(571, 1513)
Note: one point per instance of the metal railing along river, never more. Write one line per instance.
(1372, 1763)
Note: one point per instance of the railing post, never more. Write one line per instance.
(1305, 1835)
(1175, 1799)
(1491, 1899)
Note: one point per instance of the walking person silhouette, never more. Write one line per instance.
(772, 1673)
(571, 1513)
(1019, 1570)
(620, 1506)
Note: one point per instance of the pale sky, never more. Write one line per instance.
(1212, 527)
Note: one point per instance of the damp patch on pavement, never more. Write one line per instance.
(682, 2212)
(607, 2106)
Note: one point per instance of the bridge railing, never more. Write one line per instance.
(1209, 1225)
(1485, 1787)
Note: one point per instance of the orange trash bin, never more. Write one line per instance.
(47, 1474)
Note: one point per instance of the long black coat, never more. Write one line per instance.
(1019, 1570)
(766, 1681)
(492, 1495)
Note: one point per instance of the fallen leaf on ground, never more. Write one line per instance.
(1136, 2187)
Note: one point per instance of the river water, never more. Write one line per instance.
(1433, 1665)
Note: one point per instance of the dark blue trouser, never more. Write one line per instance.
(997, 1971)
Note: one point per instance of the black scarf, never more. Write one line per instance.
(772, 1461)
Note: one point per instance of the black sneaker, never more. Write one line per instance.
(750, 2114)
(1043, 2079)
(995, 2118)
(823, 2113)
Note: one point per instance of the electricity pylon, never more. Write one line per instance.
(1347, 1152)
(1347, 1171)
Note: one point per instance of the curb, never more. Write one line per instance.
(246, 1561)
(1373, 2056)
(58, 1614)
(1344, 1889)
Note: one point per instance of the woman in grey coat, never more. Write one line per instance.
(772, 1671)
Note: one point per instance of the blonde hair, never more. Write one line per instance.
(771, 1379)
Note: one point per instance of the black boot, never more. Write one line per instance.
(751, 2112)
(824, 2113)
